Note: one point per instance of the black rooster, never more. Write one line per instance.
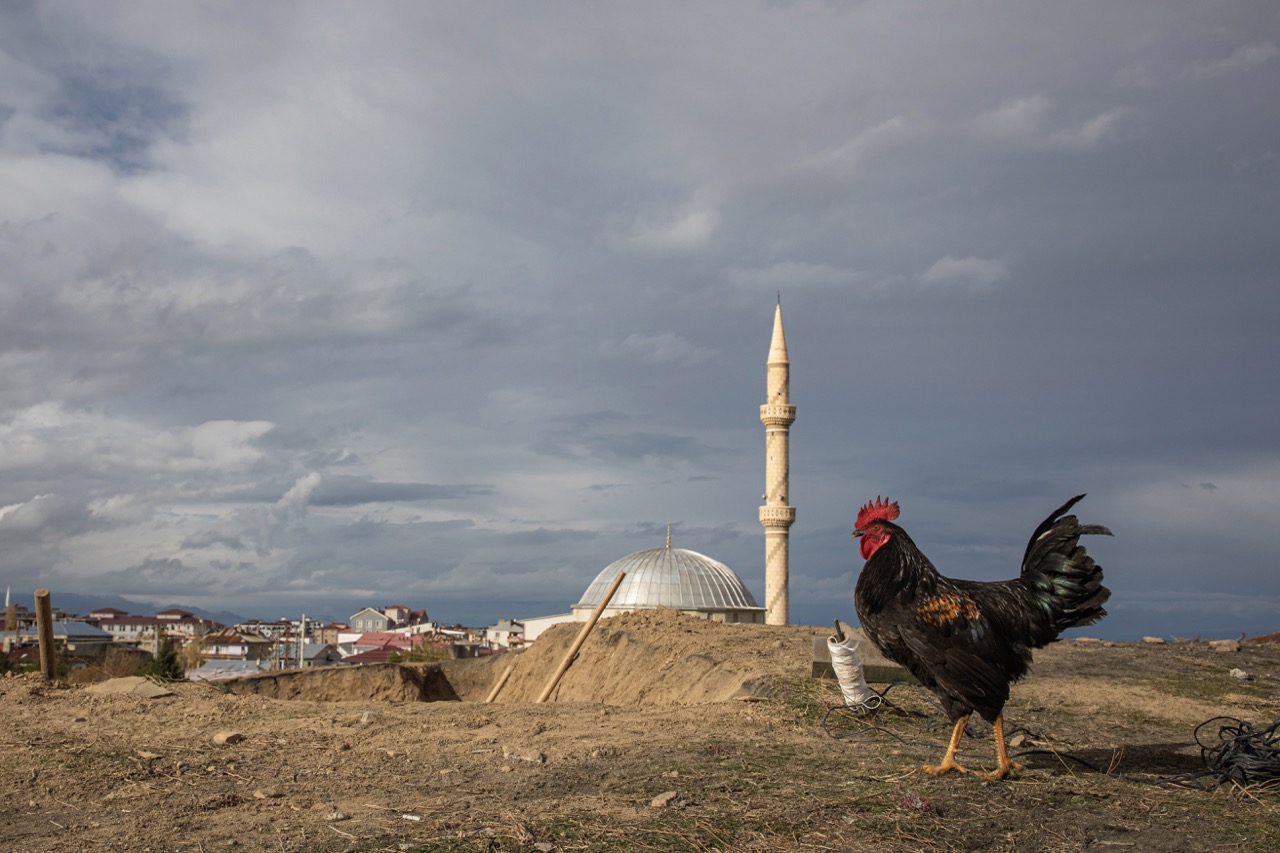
(967, 640)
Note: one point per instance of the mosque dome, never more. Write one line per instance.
(675, 578)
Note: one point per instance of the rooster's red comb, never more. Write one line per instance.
(874, 511)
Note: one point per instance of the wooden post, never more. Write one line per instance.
(497, 688)
(582, 637)
(44, 630)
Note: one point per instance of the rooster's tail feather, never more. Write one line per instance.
(1065, 581)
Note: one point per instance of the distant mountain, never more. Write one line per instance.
(226, 617)
(74, 602)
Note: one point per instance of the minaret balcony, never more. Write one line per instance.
(775, 414)
(777, 516)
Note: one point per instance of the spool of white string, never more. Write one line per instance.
(848, 668)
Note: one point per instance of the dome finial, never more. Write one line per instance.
(668, 536)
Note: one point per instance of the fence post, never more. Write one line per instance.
(44, 630)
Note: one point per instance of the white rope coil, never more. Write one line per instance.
(848, 667)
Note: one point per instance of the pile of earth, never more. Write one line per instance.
(644, 657)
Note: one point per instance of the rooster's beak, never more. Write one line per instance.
(857, 533)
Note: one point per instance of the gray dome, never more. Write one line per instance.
(670, 577)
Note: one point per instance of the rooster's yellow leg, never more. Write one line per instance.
(949, 760)
(1003, 763)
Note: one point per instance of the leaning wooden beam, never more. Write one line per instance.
(497, 688)
(582, 637)
(44, 630)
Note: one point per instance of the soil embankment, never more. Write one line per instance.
(655, 657)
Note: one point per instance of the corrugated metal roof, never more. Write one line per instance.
(71, 629)
(671, 577)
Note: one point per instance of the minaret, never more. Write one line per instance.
(777, 515)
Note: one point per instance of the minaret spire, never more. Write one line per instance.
(777, 515)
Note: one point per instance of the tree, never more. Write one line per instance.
(164, 664)
(193, 654)
(422, 653)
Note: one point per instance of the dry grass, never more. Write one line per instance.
(1101, 731)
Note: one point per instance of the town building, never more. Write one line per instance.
(173, 624)
(505, 634)
(392, 617)
(370, 619)
(232, 644)
(535, 625)
(81, 642)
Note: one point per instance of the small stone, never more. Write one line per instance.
(665, 799)
(544, 846)
(366, 718)
(1153, 641)
(268, 794)
(1225, 645)
(1240, 674)
(1018, 740)
(336, 816)
(226, 738)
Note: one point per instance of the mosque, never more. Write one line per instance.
(672, 577)
(696, 584)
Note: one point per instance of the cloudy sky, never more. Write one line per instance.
(307, 306)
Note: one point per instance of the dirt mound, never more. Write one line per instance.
(134, 684)
(379, 682)
(656, 657)
(649, 657)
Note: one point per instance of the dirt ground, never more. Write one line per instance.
(667, 733)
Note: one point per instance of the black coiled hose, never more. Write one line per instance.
(1241, 754)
